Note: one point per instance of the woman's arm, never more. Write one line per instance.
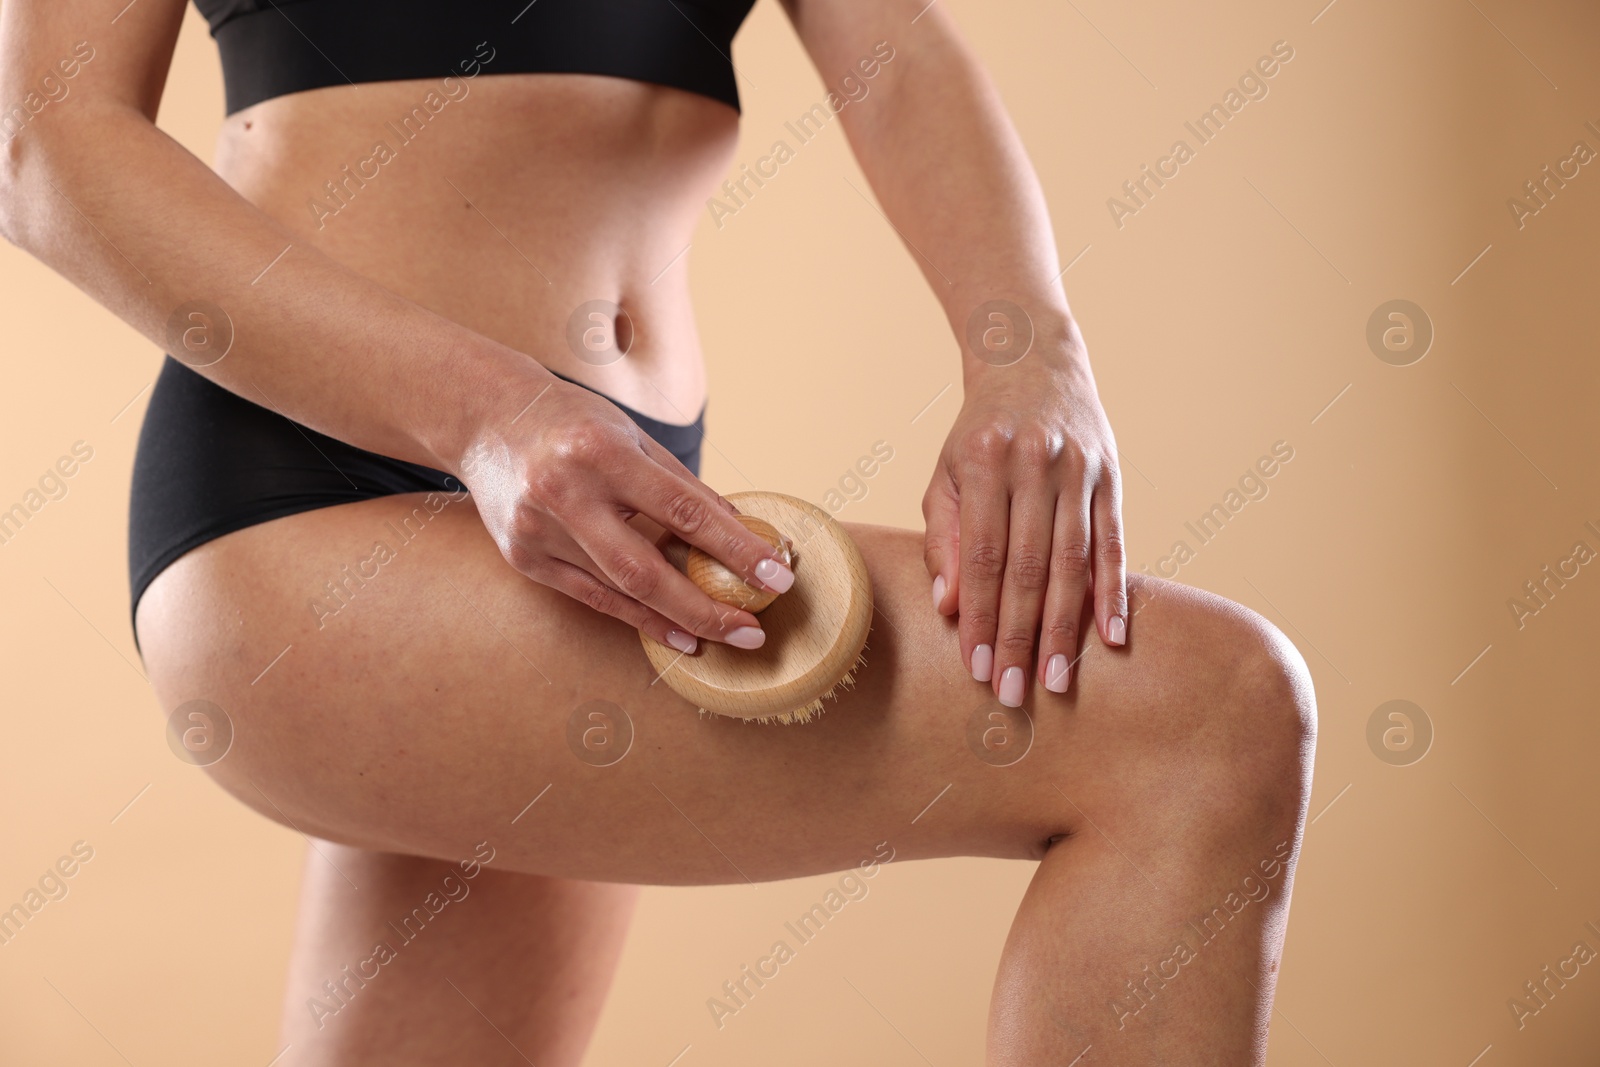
(1024, 513)
(89, 185)
(92, 188)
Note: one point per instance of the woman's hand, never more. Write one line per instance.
(1024, 515)
(555, 483)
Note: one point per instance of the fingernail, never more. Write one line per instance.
(774, 575)
(746, 637)
(1011, 687)
(1057, 673)
(1116, 630)
(938, 591)
(681, 641)
(982, 663)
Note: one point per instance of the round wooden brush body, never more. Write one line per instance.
(816, 631)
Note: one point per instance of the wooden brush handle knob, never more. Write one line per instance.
(726, 587)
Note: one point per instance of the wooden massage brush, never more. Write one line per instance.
(816, 632)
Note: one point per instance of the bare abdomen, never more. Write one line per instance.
(514, 204)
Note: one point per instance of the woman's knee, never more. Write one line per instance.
(1214, 705)
(1265, 711)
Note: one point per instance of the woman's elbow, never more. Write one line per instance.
(29, 155)
(19, 151)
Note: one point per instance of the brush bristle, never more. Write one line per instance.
(810, 711)
(815, 708)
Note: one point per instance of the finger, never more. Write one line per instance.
(644, 523)
(585, 588)
(638, 570)
(985, 507)
(941, 514)
(662, 455)
(1027, 575)
(1110, 559)
(689, 508)
(1063, 602)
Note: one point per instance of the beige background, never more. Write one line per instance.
(1225, 316)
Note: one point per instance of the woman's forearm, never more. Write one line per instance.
(147, 229)
(1024, 506)
(950, 171)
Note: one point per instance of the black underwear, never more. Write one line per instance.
(273, 47)
(210, 462)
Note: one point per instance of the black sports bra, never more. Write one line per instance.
(273, 47)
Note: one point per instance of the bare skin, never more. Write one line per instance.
(427, 714)
(422, 718)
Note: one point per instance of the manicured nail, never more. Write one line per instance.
(1116, 630)
(1057, 674)
(774, 575)
(681, 641)
(939, 587)
(1011, 687)
(982, 663)
(746, 637)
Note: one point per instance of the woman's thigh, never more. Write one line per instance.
(393, 684)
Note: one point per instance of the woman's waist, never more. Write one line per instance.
(552, 214)
(592, 315)
(596, 321)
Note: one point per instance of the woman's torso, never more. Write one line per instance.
(507, 202)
